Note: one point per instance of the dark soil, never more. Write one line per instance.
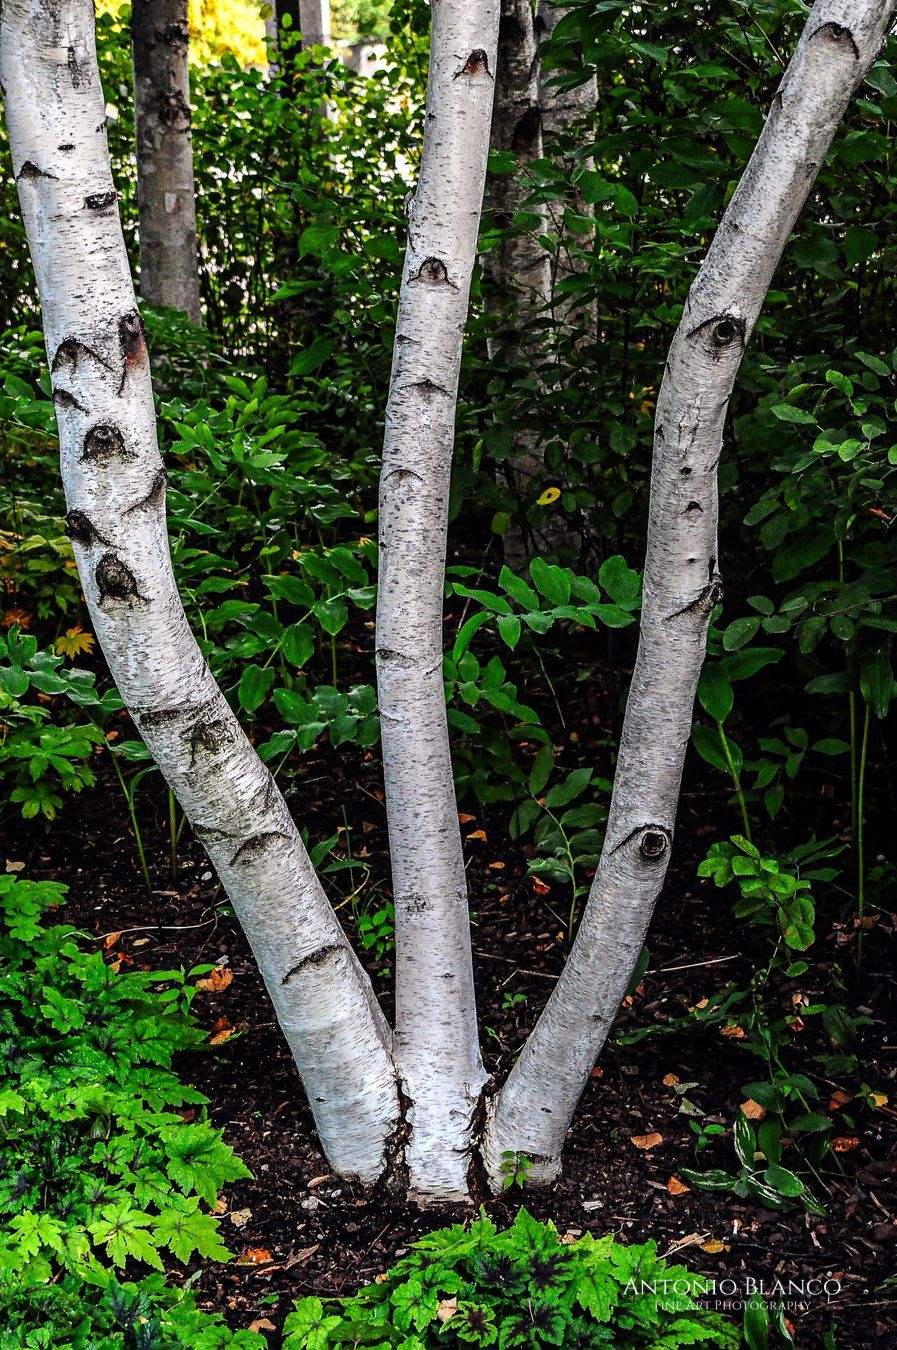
(296, 1229)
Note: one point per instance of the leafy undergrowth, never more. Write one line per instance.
(525, 1287)
(109, 1163)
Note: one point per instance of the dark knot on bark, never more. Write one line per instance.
(104, 442)
(114, 580)
(477, 63)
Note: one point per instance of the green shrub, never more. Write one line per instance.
(526, 1287)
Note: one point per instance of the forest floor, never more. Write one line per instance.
(296, 1229)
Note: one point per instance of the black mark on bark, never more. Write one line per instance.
(173, 111)
(403, 474)
(63, 399)
(428, 388)
(432, 272)
(69, 145)
(477, 63)
(115, 581)
(70, 353)
(836, 32)
(132, 338)
(211, 736)
(653, 841)
(79, 70)
(315, 958)
(30, 171)
(103, 443)
(396, 658)
(723, 332)
(255, 847)
(155, 495)
(99, 201)
(694, 507)
(174, 35)
(706, 601)
(82, 529)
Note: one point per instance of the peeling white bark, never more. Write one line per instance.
(437, 1047)
(169, 273)
(682, 582)
(115, 491)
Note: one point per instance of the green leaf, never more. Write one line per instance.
(185, 1230)
(331, 615)
(715, 692)
(621, 583)
(255, 684)
(574, 784)
(550, 581)
(786, 413)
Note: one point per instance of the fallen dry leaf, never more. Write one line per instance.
(735, 1032)
(217, 980)
(317, 1181)
(220, 1206)
(477, 834)
(254, 1256)
(670, 1080)
(262, 1324)
(497, 866)
(878, 1099)
(646, 1141)
(539, 887)
(221, 1032)
(14, 866)
(446, 1309)
(465, 818)
(240, 1217)
(838, 1099)
(677, 1187)
(845, 1143)
(713, 1245)
(111, 939)
(753, 1110)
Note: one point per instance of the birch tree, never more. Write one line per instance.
(115, 492)
(314, 22)
(437, 1044)
(405, 1106)
(682, 580)
(169, 275)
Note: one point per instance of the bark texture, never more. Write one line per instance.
(169, 275)
(517, 274)
(314, 22)
(563, 111)
(682, 580)
(115, 491)
(437, 1047)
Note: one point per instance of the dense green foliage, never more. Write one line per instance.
(526, 1287)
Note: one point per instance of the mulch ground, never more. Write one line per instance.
(296, 1229)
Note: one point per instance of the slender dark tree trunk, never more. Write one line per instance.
(169, 275)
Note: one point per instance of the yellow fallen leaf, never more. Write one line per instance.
(646, 1141)
(878, 1099)
(74, 642)
(713, 1245)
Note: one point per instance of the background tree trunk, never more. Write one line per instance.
(517, 273)
(437, 1044)
(115, 491)
(169, 275)
(314, 21)
(682, 583)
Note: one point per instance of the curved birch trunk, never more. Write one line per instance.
(436, 1043)
(115, 491)
(169, 275)
(682, 584)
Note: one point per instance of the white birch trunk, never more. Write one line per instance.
(115, 492)
(169, 274)
(682, 581)
(437, 1047)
